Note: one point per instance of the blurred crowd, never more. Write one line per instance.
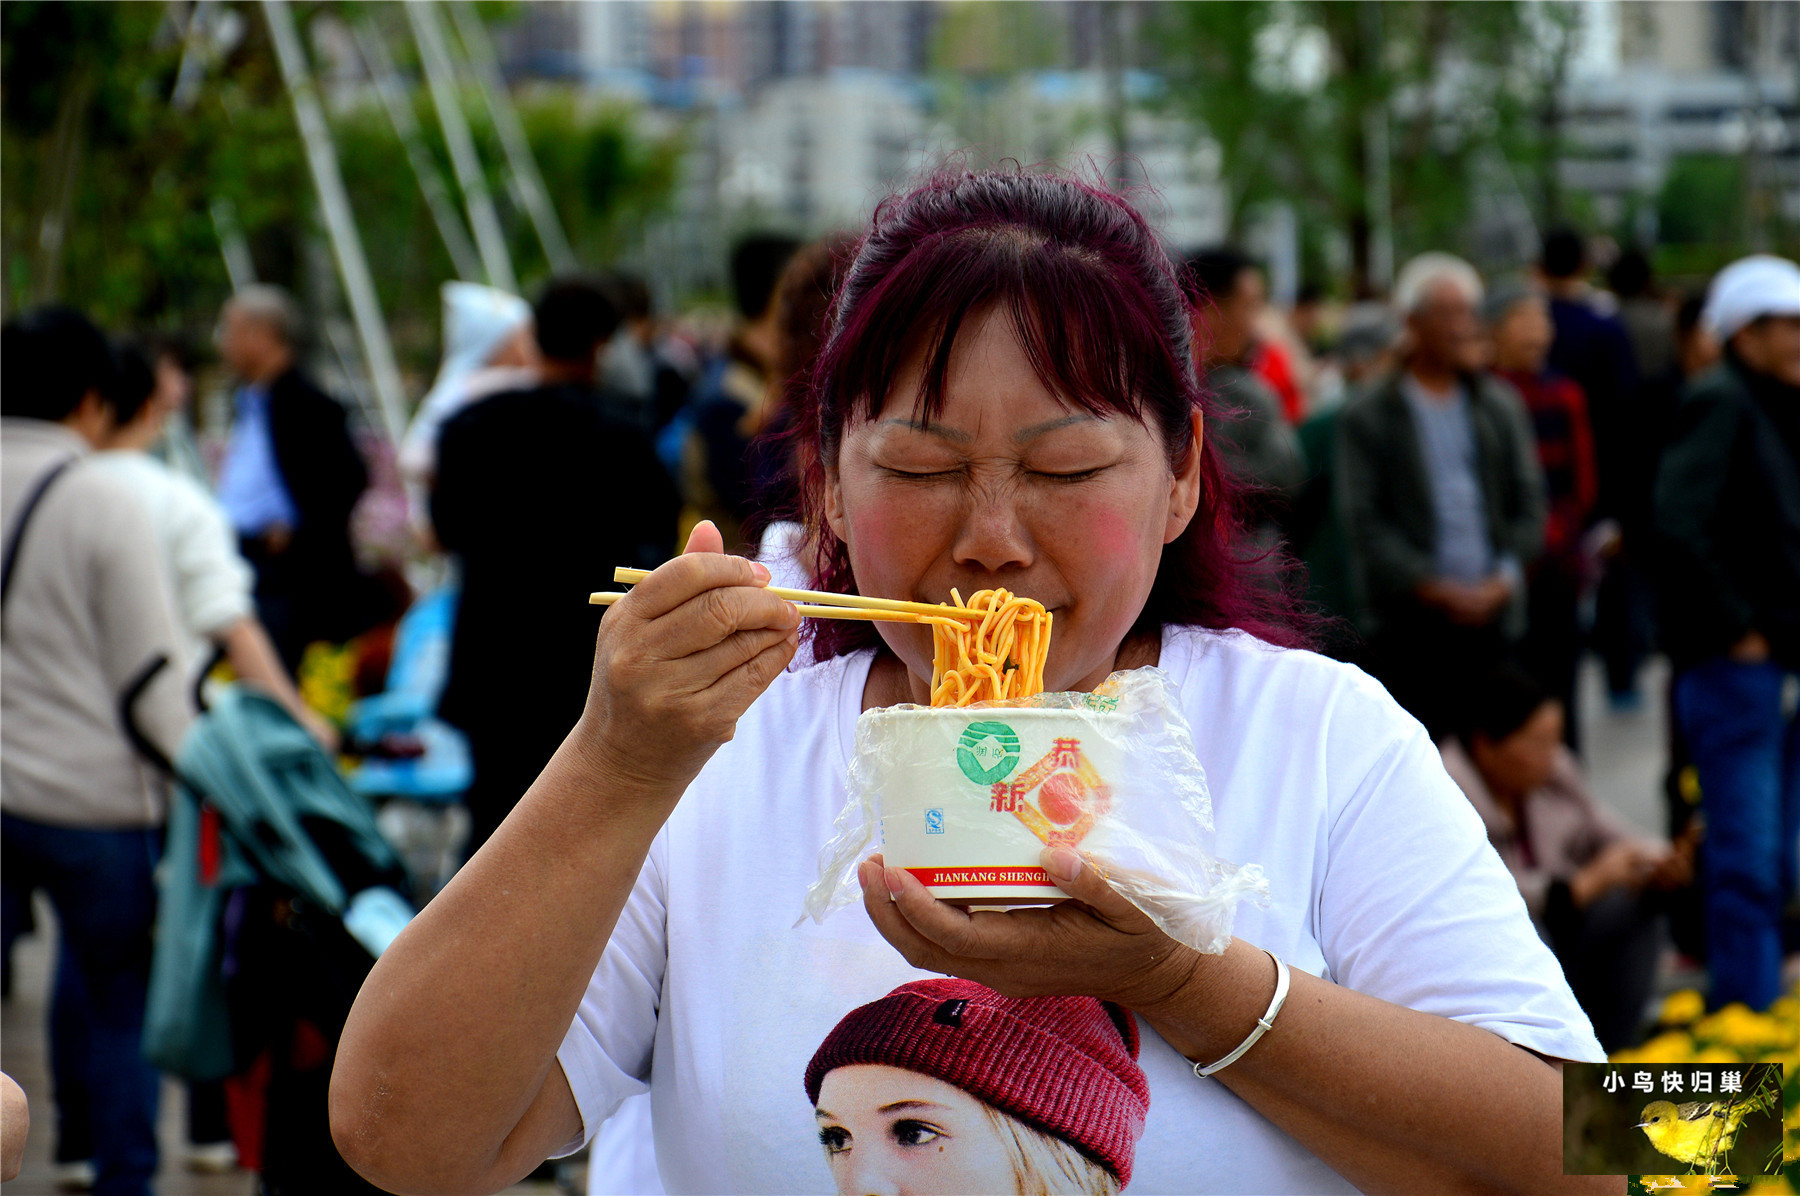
(1485, 479)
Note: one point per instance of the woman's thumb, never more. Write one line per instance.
(1077, 875)
(705, 538)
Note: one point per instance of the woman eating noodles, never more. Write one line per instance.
(1007, 398)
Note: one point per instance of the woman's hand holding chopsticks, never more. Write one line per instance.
(679, 660)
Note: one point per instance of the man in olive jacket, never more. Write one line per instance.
(1443, 501)
(1727, 539)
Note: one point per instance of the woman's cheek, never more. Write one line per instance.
(892, 537)
(1108, 540)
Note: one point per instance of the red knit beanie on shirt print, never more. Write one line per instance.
(1067, 1065)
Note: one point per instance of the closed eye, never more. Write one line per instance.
(1080, 475)
(919, 475)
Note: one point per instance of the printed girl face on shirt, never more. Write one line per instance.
(1012, 487)
(890, 1131)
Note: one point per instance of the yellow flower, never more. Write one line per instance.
(1717, 1054)
(1672, 1046)
(1735, 1025)
(1680, 1008)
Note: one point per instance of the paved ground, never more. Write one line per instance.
(1626, 754)
(1625, 760)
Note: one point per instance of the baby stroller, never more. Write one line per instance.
(277, 892)
(413, 766)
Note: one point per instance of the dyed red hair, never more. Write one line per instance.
(1106, 319)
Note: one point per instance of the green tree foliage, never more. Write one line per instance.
(91, 147)
(90, 144)
(1294, 91)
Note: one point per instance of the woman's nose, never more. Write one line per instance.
(994, 536)
(870, 1175)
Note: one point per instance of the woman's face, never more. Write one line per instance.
(173, 386)
(1522, 336)
(890, 1131)
(1524, 760)
(519, 349)
(1009, 487)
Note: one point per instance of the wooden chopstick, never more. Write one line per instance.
(608, 597)
(821, 598)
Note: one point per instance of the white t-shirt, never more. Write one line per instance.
(209, 579)
(1381, 876)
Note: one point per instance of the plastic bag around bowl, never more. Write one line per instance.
(967, 798)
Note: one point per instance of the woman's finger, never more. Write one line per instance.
(705, 537)
(744, 684)
(977, 935)
(913, 947)
(713, 616)
(675, 582)
(707, 668)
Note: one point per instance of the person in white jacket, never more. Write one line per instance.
(211, 585)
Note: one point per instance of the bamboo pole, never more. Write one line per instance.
(429, 33)
(340, 221)
(406, 127)
(528, 184)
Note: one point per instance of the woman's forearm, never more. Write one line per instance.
(455, 1031)
(1393, 1099)
(253, 658)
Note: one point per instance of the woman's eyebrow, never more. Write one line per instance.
(1036, 430)
(954, 435)
(898, 1105)
(958, 436)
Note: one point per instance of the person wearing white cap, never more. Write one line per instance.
(1728, 538)
(488, 348)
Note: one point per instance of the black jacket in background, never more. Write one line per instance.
(540, 495)
(1727, 517)
(1384, 493)
(313, 589)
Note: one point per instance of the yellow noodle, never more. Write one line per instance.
(970, 659)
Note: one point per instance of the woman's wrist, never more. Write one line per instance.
(1216, 1005)
(611, 785)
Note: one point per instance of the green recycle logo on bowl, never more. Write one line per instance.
(987, 752)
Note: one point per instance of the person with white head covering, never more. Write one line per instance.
(488, 348)
(1727, 521)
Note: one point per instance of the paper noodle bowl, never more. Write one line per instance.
(968, 798)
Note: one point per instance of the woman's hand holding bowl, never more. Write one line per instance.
(1096, 945)
(678, 661)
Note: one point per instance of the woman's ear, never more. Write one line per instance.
(1184, 487)
(834, 503)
